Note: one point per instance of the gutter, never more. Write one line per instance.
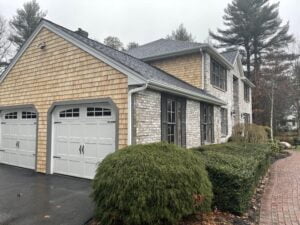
(183, 92)
(203, 47)
(247, 81)
(130, 93)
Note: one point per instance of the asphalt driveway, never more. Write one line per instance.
(27, 198)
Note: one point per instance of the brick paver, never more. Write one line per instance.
(281, 199)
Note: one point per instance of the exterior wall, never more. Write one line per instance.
(245, 107)
(193, 138)
(58, 73)
(217, 126)
(146, 117)
(187, 68)
(226, 96)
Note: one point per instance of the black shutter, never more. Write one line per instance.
(183, 123)
(164, 124)
(201, 123)
(212, 124)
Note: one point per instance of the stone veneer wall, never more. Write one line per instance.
(193, 137)
(146, 117)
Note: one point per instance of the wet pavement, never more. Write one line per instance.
(30, 198)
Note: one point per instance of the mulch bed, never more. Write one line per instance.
(251, 217)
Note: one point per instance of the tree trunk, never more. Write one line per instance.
(248, 61)
(272, 112)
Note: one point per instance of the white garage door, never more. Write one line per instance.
(82, 136)
(18, 138)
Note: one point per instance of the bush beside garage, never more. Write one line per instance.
(161, 183)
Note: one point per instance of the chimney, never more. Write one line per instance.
(82, 33)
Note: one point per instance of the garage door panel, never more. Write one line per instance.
(18, 139)
(61, 147)
(90, 150)
(91, 130)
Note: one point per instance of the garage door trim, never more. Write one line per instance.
(76, 102)
(31, 106)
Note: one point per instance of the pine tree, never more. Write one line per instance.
(254, 26)
(25, 21)
(181, 34)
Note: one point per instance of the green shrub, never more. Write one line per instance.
(235, 170)
(150, 184)
(250, 133)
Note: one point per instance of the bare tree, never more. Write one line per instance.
(114, 42)
(132, 45)
(4, 44)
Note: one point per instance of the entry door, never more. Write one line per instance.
(83, 136)
(18, 138)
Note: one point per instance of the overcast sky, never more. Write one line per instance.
(142, 20)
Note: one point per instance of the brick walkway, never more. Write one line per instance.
(281, 200)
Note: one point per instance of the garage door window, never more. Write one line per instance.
(69, 113)
(98, 112)
(12, 115)
(28, 115)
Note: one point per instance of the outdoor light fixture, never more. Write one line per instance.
(42, 45)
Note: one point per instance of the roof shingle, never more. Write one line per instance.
(148, 72)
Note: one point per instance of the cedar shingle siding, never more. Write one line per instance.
(58, 73)
(187, 68)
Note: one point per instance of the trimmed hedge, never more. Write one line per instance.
(235, 170)
(150, 184)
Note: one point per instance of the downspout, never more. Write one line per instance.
(130, 92)
(202, 68)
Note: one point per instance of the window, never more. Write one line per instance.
(28, 115)
(218, 75)
(224, 122)
(246, 118)
(207, 123)
(69, 113)
(173, 120)
(11, 116)
(171, 115)
(246, 92)
(97, 112)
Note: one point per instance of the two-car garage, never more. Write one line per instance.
(81, 135)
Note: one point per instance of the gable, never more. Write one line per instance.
(60, 71)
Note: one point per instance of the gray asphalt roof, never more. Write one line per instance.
(230, 55)
(147, 71)
(162, 47)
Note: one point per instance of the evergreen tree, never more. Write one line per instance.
(181, 34)
(25, 21)
(255, 26)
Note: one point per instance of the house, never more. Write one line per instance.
(220, 75)
(289, 121)
(67, 101)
